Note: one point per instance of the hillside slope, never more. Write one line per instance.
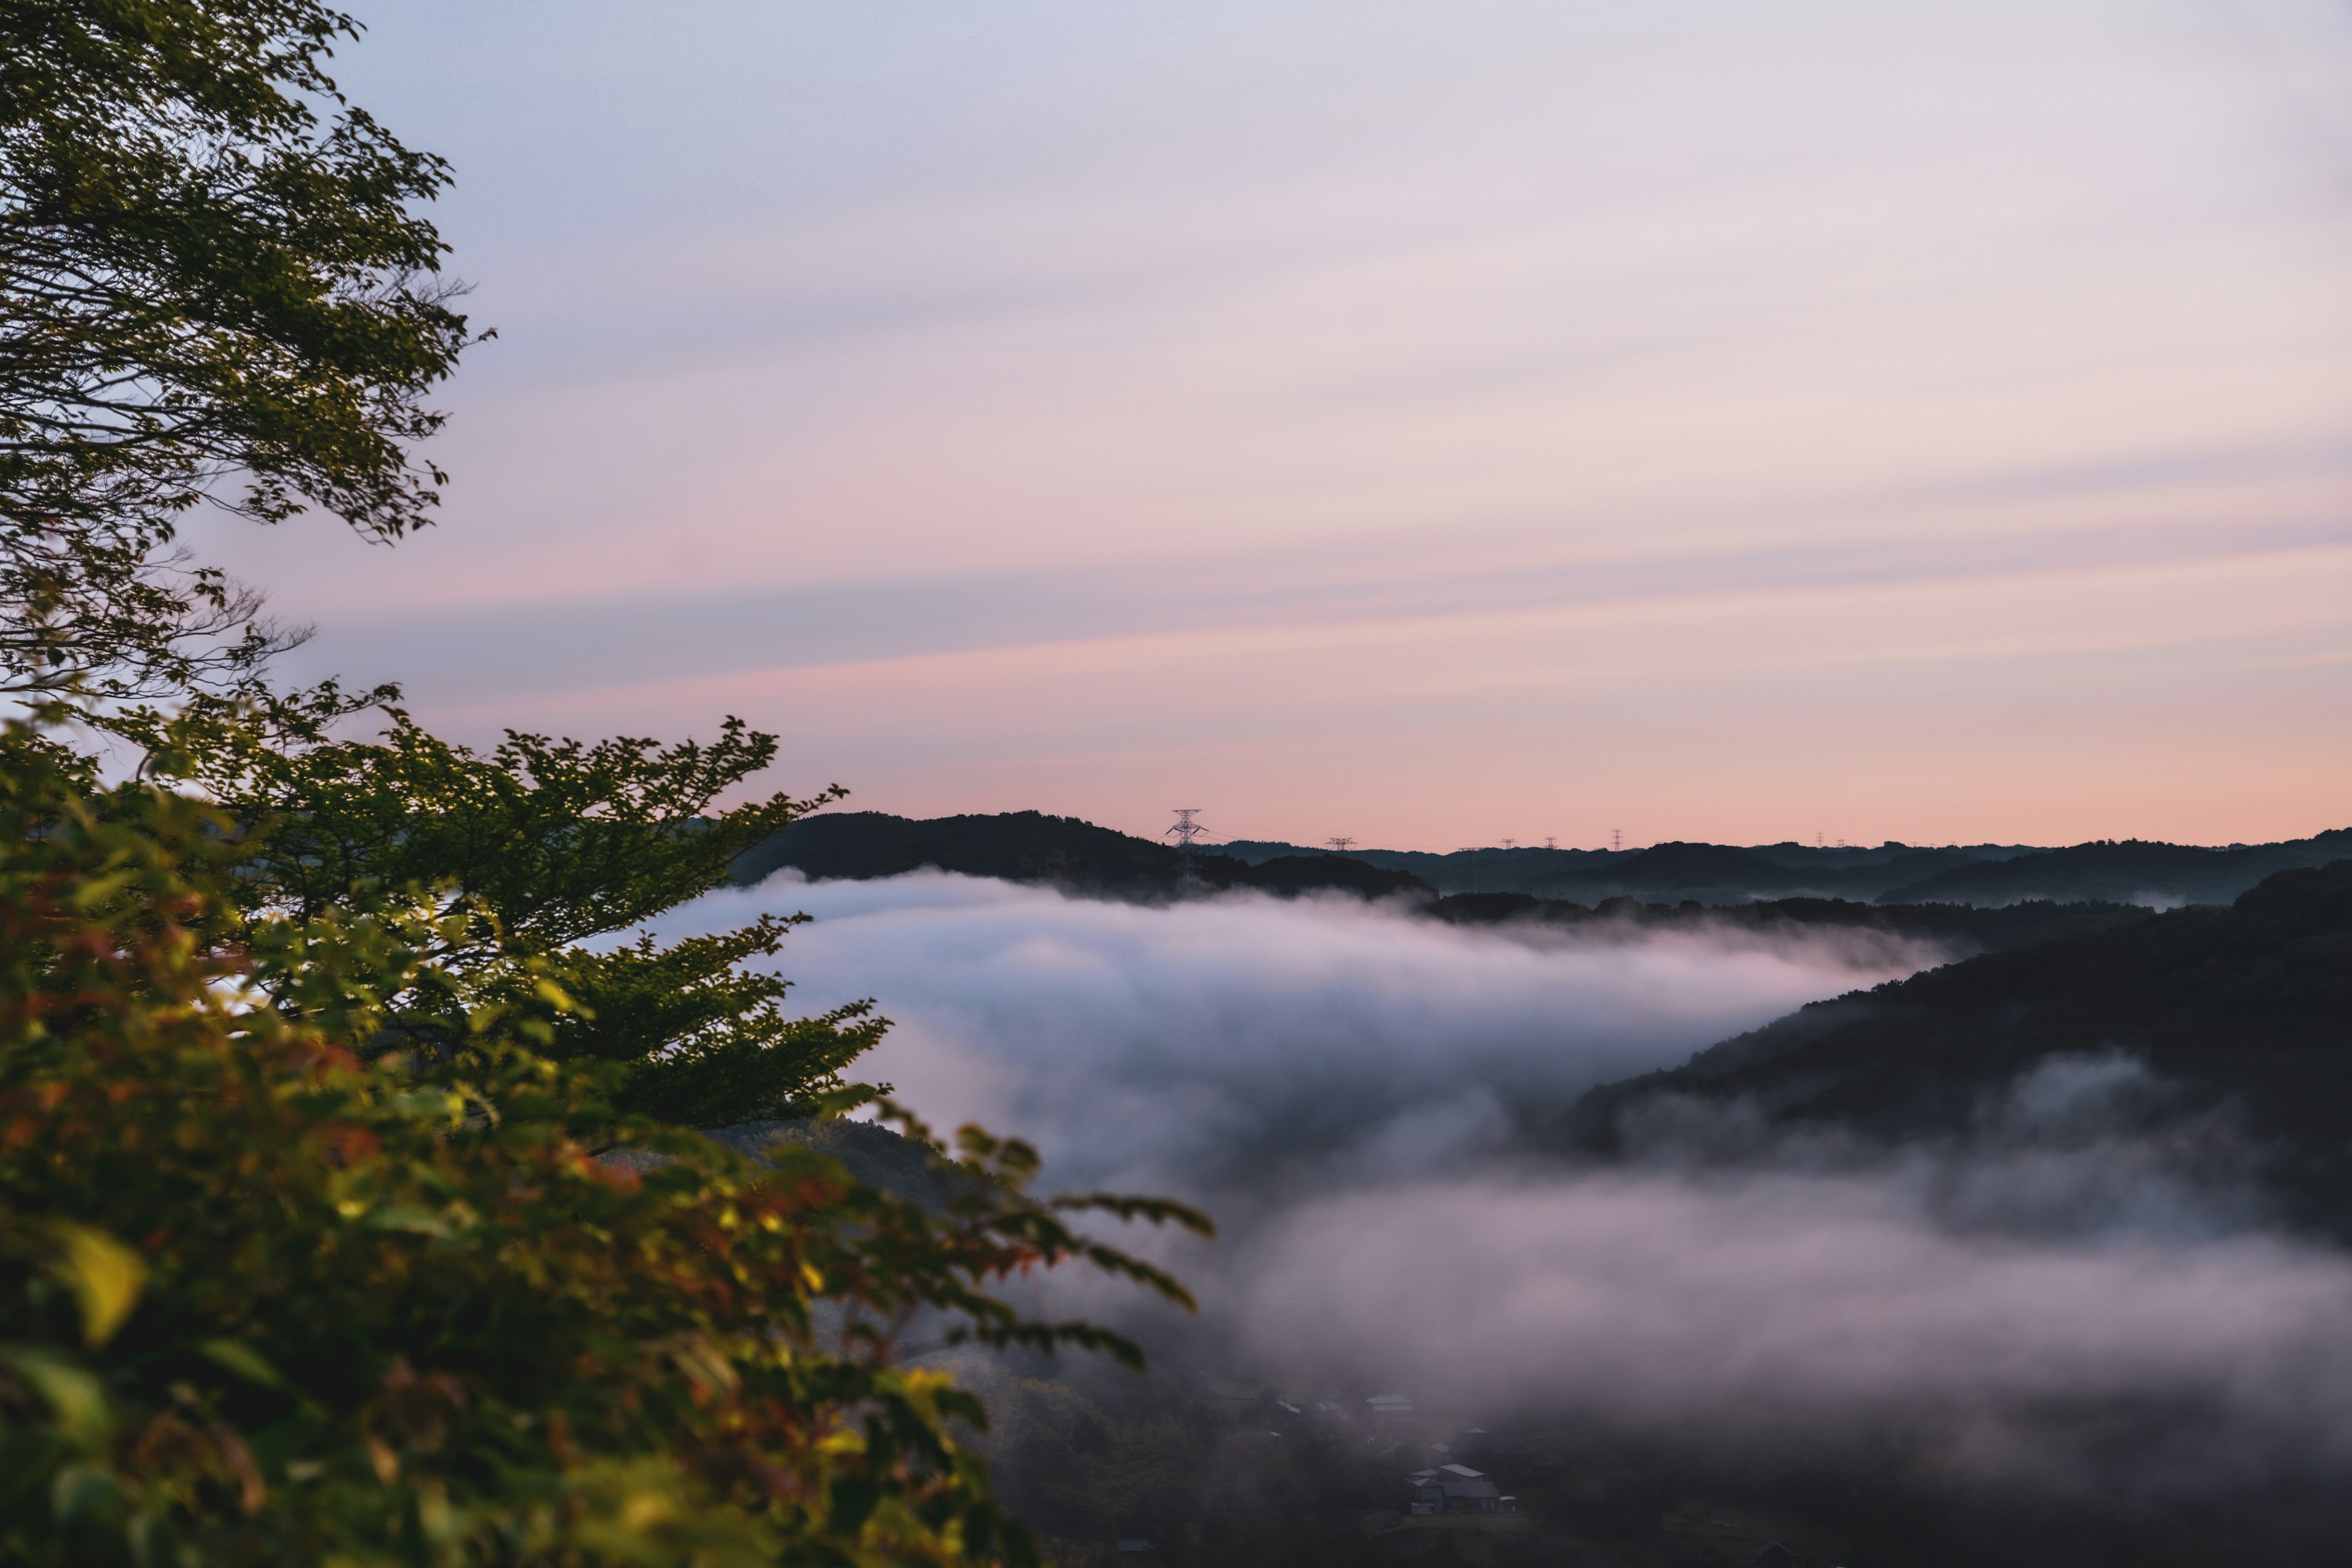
(2157, 875)
(1032, 847)
(2245, 1011)
(2131, 872)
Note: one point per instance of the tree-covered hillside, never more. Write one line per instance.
(2157, 875)
(2131, 872)
(2243, 1012)
(1064, 852)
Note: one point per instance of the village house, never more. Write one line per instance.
(1456, 1489)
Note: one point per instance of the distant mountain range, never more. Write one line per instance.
(2243, 1012)
(2130, 871)
(1031, 847)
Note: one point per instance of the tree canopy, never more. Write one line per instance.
(263, 1299)
(215, 287)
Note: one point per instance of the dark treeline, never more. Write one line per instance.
(1033, 846)
(1029, 846)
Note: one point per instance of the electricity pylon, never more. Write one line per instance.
(1341, 845)
(1187, 865)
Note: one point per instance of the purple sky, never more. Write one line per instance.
(1426, 423)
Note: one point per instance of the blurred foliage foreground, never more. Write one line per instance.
(273, 1292)
(353, 1207)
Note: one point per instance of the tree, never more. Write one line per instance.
(262, 1302)
(318, 1057)
(524, 855)
(213, 288)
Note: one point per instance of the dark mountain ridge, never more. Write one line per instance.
(2243, 1011)
(1033, 846)
(1029, 846)
(2131, 871)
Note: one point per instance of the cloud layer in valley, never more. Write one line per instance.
(2078, 1292)
(1207, 1044)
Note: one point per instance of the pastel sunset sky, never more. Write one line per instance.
(1427, 422)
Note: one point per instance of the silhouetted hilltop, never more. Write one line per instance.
(2246, 1009)
(1302, 873)
(1677, 865)
(1018, 846)
(2130, 871)
(1031, 847)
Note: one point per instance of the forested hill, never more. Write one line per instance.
(2130, 871)
(2246, 1011)
(1031, 847)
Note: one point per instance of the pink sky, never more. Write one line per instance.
(1426, 423)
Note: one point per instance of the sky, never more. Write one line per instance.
(1425, 423)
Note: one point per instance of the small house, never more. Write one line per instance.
(1452, 1488)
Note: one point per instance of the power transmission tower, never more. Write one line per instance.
(1551, 841)
(1616, 839)
(1188, 860)
(1510, 844)
(1341, 845)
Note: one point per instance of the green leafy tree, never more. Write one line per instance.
(283, 1304)
(214, 287)
(349, 1206)
(526, 854)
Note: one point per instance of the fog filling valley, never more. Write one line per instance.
(2075, 1293)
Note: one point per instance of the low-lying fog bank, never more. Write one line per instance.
(1196, 1046)
(2073, 1293)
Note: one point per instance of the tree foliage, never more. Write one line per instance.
(529, 858)
(214, 286)
(350, 1205)
(282, 1302)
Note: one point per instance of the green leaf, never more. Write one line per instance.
(234, 1356)
(78, 1489)
(71, 1393)
(104, 1276)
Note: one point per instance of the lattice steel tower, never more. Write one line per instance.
(1188, 862)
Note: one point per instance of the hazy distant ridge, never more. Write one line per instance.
(1032, 847)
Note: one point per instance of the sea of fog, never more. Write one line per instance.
(2068, 1294)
